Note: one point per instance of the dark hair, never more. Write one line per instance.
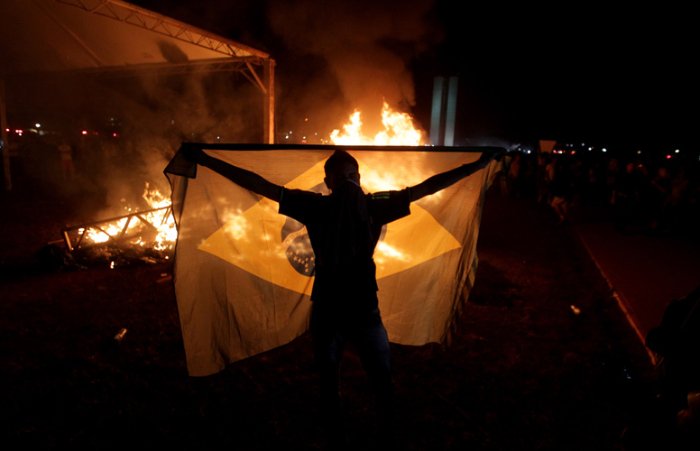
(339, 159)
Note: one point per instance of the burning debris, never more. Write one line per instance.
(398, 129)
(138, 236)
(120, 241)
(148, 235)
(153, 228)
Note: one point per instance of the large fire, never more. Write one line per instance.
(154, 228)
(399, 130)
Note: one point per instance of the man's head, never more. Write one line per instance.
(340, 167)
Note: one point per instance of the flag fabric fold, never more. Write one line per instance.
(243, 272)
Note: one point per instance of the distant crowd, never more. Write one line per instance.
(661, 196)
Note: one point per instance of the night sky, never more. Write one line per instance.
(576, 73)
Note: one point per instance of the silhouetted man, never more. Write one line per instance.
(344, 228)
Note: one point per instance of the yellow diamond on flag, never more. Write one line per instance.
(253, 241)
(410, 241)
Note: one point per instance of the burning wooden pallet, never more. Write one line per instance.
(153, 228)
(146, 236)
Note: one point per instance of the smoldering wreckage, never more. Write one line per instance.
(138, 237)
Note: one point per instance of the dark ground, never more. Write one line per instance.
(524, 372)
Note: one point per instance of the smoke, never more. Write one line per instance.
(123, 129)
(158, 112)
(332, 57)
(360, 54)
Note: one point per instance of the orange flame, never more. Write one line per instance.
(162, 219)
(157, 223)
(399, 130)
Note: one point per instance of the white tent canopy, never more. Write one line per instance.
(49, 36)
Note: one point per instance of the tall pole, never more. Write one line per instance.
(4, 143)
(444, 111)
(269, 102)
(436, 112)
(451, 112)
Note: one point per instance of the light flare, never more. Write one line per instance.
(235, 224)
(385, 252)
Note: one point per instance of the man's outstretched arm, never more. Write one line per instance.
(447, 178)
(242, 177)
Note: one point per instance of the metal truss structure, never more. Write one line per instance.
(157, 23)
(256, 66)
(114, 231)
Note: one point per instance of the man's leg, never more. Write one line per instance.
(328, 347)
(374, 350)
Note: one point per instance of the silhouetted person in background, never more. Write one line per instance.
(65, 155)
(667, 420)
(560, 189)
(344, 228)
(676, 341)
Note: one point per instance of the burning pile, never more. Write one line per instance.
(149, 235)
(138, 235)
(398, 131)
